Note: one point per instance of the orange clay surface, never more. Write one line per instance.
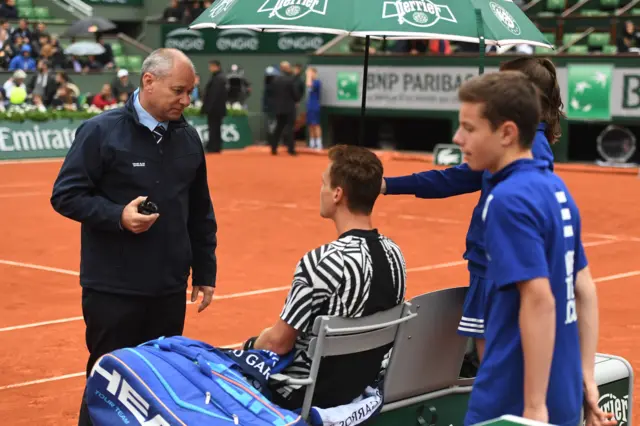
(267, 212)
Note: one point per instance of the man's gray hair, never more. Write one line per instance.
(160, 62)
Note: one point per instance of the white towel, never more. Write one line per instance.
(356, 412)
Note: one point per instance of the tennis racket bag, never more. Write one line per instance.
(180, 381)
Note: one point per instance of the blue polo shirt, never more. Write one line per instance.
(531, 230)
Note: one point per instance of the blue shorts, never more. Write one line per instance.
(313, 117)
(472, 321)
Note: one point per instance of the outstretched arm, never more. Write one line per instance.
(445, 183)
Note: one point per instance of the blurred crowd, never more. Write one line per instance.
(54, 89)
(184, 11)
(21, 48)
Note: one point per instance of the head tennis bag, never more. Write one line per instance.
(177, 381)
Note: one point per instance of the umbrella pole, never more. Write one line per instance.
(480, 26)
(364, 89)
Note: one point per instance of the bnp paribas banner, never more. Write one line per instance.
(239, 41)
(589, 91)
(31, 139)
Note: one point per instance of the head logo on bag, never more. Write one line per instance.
(128, 397)
(180, 381)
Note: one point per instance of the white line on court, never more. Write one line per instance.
(224, 296)
(23, 194)
(23, 184)
(33, 161)
(82, 373)
(617, 276)
(235, 345)
(39, 267)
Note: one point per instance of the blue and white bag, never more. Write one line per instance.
(180, 381)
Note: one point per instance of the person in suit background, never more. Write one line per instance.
(214, 105)
(286, 95)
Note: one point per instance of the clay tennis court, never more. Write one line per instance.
(267, 212)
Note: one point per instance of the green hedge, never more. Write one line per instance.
(29, 112)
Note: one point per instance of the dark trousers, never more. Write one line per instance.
(284, 129)
(215, 134)
(115, 321)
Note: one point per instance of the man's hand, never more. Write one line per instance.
(540, 414)
(207, 295)
(134, 221)
(593, 415)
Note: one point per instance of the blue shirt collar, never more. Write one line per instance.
(521, 164)
(144, 117)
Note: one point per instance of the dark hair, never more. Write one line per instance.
(542, 73)
(506, 96)
(214, 62)
(358, 171)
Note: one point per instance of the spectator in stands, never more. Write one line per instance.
(442, 47)
(92, 64)
(196, 9)
(62, 79)
(58, 59)
(122, 84)
(75, 64)
(22, 31)
(39, 29)
(107, 57)
(360, 273)
(38, 103)
(4, 37)
(23, 61)
(64, 99)
(8, 10)
(123, 98)
(43, 83)
(173, 12)
(5, 57)
(628, 39)
(17, 80)
(104, 98)
(38, 43)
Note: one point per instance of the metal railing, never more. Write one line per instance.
(77, 7)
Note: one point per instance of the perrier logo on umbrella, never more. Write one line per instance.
(293, 9)
(505, 18)
(419, 13)
(219, 7)
(589, 91)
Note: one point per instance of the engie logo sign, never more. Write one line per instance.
(186, 40)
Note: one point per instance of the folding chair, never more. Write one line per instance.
(343, 336)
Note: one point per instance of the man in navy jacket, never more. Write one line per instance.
(134, 267)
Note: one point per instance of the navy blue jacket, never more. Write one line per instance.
(113, 160)
(460, 180)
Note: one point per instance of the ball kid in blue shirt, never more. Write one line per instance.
(539, 353)
(461, 179)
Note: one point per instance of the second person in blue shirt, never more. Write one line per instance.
(461, 179)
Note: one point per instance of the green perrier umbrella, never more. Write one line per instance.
(492, 22)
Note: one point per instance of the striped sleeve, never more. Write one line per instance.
(318, 275)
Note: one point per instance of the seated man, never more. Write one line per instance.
(358, 274)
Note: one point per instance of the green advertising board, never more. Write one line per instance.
(591, 92)
(47, 139)
(239, 41)
(134, 3)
